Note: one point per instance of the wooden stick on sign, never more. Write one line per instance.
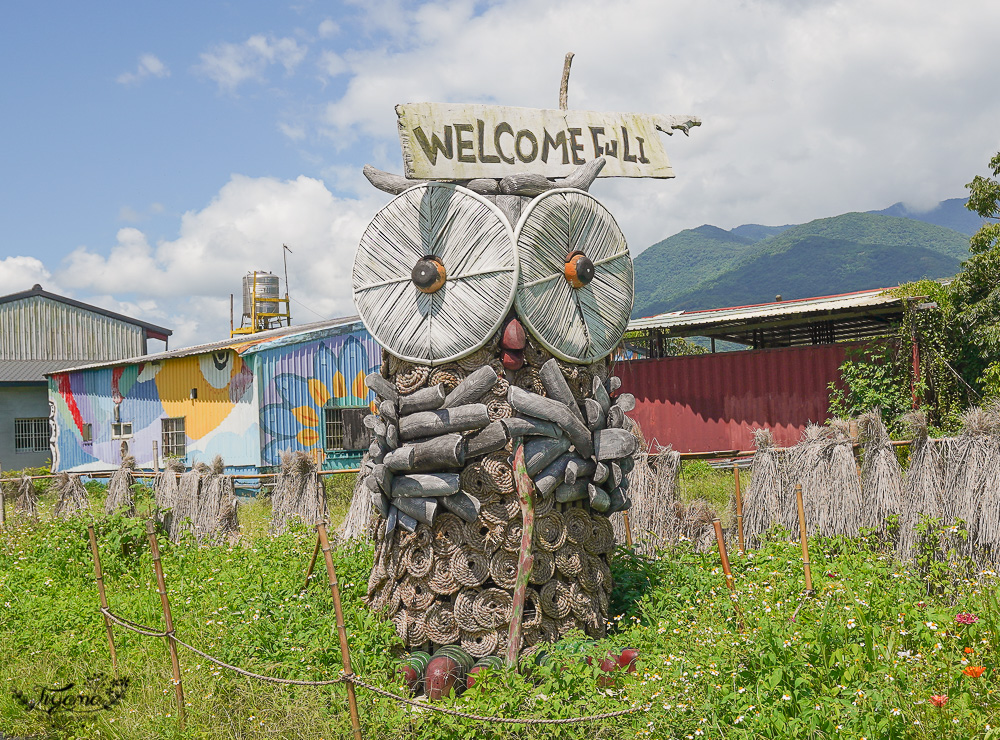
(345, 654)
(564, 85)
(525, 497)
(161, 586)
(99, 576)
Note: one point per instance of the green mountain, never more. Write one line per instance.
(951, 214)
(708, 267)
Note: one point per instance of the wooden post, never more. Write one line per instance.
(3, 511)
(739, 509)
(312, 564)
(156, 457)
(345, 654)
(723, 555)
(802, 537)
(161, 586)
(730, 581)
(628, 528)
(525, 561)
(99, 575)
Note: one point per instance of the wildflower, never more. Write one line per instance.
(931, 625)
(966, 618)
(786, 697)
(831, 574)
(974, 671)
(939, 700)
(895, 712)
(969, 651)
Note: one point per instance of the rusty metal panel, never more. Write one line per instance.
(298, 381)
(38, 328)
(701, 403)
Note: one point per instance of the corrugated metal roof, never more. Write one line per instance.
(31, 371)
(36, 291)
(768, 311)
(247, 344)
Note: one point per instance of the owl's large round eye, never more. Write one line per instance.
(435, 273)
(575, 289)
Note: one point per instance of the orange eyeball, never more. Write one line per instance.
(429, 274)
(579, 270)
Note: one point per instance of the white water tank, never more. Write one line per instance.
(268, 290)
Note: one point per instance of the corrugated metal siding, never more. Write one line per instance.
(702, 403)
(298, 381)
(38, 328)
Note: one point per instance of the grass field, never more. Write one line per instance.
(870, 654)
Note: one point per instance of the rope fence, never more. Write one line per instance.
(347, 676)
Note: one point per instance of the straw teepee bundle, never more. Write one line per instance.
(27, 498)
(186, 505)
(72, 496)
(762, 498)
(165, 490)
(923, 486)
(227, 524)
(985, 548)
(840, 509)
(120, 489)
(805, 467)
(966, 467)
(357, 523)
(881, 475)
(654, 517)
(298, 493)
(213, 491)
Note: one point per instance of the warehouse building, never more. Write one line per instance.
(248, 399)
(41, 332)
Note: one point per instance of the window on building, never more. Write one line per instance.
(86, 433)
(174, 439)
(121, 430)
(344, 428)
(31, 435)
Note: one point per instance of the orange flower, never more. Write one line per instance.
(969, 651)
(938, 700)
(974, 671)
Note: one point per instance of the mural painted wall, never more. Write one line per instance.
(220, 419)
(300, 381)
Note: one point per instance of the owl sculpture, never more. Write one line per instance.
(497, 312)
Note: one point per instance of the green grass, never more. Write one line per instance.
(699, 480)
(865, 653)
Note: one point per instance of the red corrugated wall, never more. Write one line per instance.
(701, 403)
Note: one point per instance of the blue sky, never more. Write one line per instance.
(154, 152)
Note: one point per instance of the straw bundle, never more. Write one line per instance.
(973, 456)
(805, 467)
(72, 496)
(165, 490)
(120, 489)
(185, 511)
(840, 504)
(923, 487)
(653, 489)
(206, 516)
(27, 498)
(881, 475)
(986, 546)
(357, 523)
(762, 498)
(298, 493)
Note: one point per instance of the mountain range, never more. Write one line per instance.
(709, 267)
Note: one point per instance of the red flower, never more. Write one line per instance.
(939, 700)
(969, 650)
(831, 574)
(966, 618)
(974, 671)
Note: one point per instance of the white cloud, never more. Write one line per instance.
(331, 64)
(149, 66)
(294, 131)
(230, 65)
(20, 273)
(185, 283)
(809, 109)
(328, 28)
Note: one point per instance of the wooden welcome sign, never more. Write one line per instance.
(443, 141)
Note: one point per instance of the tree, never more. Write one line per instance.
(976, 290)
